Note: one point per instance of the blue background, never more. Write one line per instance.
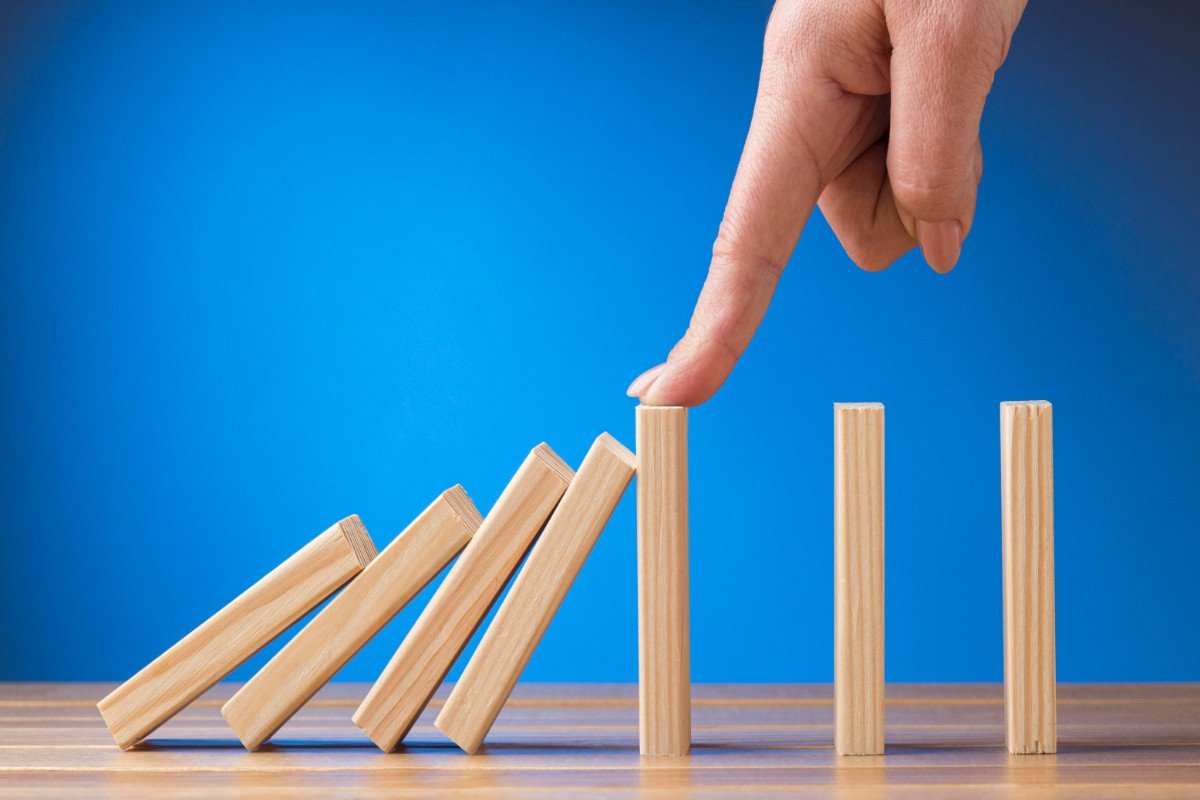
(266, 267)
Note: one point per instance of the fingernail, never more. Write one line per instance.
(941, 242)
(644, 381)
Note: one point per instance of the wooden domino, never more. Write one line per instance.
(858, 578)
(536, 594)
(368, 603)
(236, 632)
(664, 671)
(458, 607)
(1027, 508)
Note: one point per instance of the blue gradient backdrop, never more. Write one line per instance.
(264, 268)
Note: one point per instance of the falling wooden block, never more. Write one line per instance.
(420, 665)
(236, 632)
(858, 578)
(536, 594)
(1027, 507)
(664, 670)
(368, 603)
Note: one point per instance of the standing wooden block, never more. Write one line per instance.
(1027, 506)
(324, 646)
(858, 578)
(536, 594)
(664, 669)
(236, 632)
(420, 665)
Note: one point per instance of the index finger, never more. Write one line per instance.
(775, 189)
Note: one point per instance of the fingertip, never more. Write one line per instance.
(680, 386)
(644, 381)
(941, 243)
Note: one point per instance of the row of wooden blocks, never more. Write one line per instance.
(556, 515)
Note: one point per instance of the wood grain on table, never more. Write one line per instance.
(766, 740)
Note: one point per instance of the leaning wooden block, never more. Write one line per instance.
(1027, 508)
(420, 665)
(858, 578)
(536, 594)
(236, 632)
(324, 646)
(664, 668)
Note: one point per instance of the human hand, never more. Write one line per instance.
(870, 108)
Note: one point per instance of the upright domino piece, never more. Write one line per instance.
(858, 578)
(664, 670)
(461, 602)
(324, 646)
(236, 632)
(1027, 507)
(536, 594)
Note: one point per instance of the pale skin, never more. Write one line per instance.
(869, 109)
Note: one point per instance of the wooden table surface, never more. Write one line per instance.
(1119, 741)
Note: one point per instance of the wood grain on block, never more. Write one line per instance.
(664, 669)
(858, 578)
(1027, 508)
(368, 603)
(236, 632)
(458, 607)
(536, 594)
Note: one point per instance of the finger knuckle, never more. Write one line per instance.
(797, 40)
(868, 258)
(730, 252)
(867, 247)
(928, 189)
(973, 35)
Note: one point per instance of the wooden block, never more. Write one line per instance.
(236, 632)
(368, 603)
(536, 594)
(461, 602)
(858, 578)
(664, 670)
(1027, 507)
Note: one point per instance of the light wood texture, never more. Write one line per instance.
(858, 578)
(1027, 508)
(368, 603)
(664, 653)
(537, 593)
(236, 632)
(461, 602)
(1118, 742)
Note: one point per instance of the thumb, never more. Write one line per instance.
(944, 57)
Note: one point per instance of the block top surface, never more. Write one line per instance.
(360, 541)
(552, 460)
(619, 450)
(460, 503)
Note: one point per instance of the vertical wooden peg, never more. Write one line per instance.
(1027, 508)
(858, 578)
(664, 670)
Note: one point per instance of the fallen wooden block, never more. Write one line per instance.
(461, 602)
(858, 578)
(236, 632)
(536, 594)
(369, 602)
(1027, 508)
(664, 669)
